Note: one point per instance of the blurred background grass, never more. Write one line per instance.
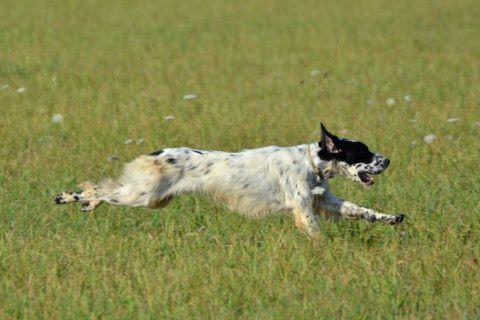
(263, 72)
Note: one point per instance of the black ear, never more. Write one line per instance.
(328, 140)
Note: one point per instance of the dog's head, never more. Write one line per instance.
(348, 158)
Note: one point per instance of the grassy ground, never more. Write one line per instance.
(264, 72)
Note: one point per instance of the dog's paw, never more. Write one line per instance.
(89, 205)
(86, 207)
(60, 198)
(65, 197)
(398, 218)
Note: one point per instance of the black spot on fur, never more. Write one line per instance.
(172, 160)
(113, 200)
(245, 185)
(197, 151)
(207, 171)
(76, 197)
(156, 153)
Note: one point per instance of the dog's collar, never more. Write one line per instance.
(316, 169)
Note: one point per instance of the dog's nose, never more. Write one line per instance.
(386, 162)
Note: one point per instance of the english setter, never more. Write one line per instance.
(255, 182)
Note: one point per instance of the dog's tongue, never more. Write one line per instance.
(366, 179)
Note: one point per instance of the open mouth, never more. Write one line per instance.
(365, 178)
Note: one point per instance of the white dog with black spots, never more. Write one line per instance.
(254, 182)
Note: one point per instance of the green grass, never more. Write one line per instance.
(115, 69)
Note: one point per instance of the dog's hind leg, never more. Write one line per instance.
(89, 192)
(87, 195)
(305, 220)
(145, 182)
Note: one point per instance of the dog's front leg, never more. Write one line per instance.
(306, 221)
(352, 211)
(303, 213)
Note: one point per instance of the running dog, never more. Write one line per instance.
(255, 182)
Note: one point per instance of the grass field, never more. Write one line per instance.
(263, 72)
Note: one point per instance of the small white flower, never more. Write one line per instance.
(128, 141)
(390, 102)
(113, 157)
(140, 141)
(453, 120)
(21, 90)
(477, 123)
(314, 73)
(429, 138)
(5, 86)
(57, 118)
(414, 142)
(407, 98)
(169, 117)
(189, 96)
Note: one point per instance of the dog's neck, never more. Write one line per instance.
(324, 169)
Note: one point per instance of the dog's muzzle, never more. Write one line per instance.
(380, 166)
